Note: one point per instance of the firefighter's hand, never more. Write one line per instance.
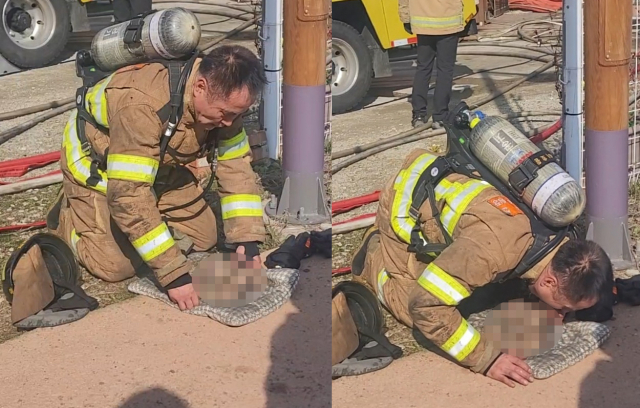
(185, 296)
(257, 262)
(507, 368)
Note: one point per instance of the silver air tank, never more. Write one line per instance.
(166, 34)
(553, 195)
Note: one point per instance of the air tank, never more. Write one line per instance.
(166, 34)
(553, 195)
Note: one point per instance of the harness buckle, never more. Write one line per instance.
(133, 32)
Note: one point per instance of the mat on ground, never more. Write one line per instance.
(578, 340)
(281, 283)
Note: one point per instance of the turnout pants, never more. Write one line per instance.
(100, 246)
(392, 293)
(443, 50)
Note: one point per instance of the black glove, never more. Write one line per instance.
(250, 248)
(179, 281)
(321, 242)
(290, 253)
(629, 290)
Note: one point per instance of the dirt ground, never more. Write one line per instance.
(29, 88)
(384, 114)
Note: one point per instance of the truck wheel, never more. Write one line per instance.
(33, 32)
(352, 68)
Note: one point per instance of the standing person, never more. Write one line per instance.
(438, 24)
(124, 10)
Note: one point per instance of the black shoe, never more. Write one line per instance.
(418, 120)
(437, 124)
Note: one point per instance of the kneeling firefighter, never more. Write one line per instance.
(495, 208)
(127, 202)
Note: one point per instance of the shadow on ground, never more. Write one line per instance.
(300, 371)
(155, 397)
(614, 380)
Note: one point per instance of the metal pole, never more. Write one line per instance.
(272, 59)
(303, 199)
(572, 46)
(607, 53)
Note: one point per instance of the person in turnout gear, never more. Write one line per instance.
(127, 202)
(490, 236)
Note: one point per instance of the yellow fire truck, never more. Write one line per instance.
(367, 36)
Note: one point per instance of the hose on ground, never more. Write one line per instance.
(365, 147)
(225, 4)
(208, 45)
(408, 134)
(34, 109)
(413, 138)
(10, 133)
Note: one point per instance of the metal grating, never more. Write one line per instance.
(498, 7)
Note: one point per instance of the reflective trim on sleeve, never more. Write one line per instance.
(154, 242)
(78, 162)
(401, 221)
(241, 205)
(457, 198)
(442, 285)
(132, 168)
(235, 147)
(383, 277)
(462, 342)
(96, 102)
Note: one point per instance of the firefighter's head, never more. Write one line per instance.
(579, 275)
(228, 82)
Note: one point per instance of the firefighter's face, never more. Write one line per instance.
(212, 112)
(547, 289)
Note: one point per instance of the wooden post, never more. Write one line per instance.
(607, 44)
(303, 199)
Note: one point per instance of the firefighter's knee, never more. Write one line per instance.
(108, 264)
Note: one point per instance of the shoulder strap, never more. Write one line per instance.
(171, 113)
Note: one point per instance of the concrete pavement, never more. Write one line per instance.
(142, 353)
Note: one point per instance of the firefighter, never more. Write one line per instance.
(490, 237)
(131, 209)
(438, 25)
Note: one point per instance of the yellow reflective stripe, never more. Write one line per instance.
(132, 168)
(383, 277)
(241, 205)
(437, 22)
(442, 285)
(401, 221)
(154, 242)
(235, 147)
(96, 102)
(74, 241)
(457, 199)
(462, 341)
(78, 162)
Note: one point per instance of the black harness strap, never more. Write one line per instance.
(460, 160)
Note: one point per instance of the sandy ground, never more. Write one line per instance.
(607, 378)
(142, 353)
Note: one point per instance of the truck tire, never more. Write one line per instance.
(351, 66)
(33, 32)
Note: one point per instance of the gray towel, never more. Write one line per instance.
(579, 339)
(282, 282)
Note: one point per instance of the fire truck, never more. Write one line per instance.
(35, 32)
(367, 36)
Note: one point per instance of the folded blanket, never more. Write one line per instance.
(579, 339)
(281, 284)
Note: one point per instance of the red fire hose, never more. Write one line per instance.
(20, 167)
